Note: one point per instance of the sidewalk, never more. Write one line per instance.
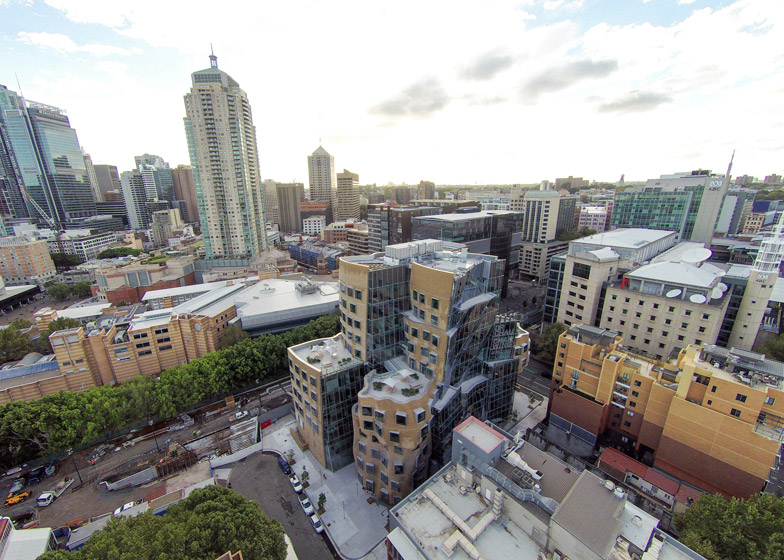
(355, 526)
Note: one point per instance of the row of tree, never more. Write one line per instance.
(205, 525)
(61, 291)
(119, 252)
(66, 420)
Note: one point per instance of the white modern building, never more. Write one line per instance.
(314, 225)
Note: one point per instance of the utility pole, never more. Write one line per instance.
(77, 470)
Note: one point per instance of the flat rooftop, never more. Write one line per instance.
(482, 435)
(627, 238)
(328, 351)
(397, 377)
(430, 527)
(186, 290)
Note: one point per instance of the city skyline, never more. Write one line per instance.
(514, 92)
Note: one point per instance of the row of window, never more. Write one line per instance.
(401, 418)
(420, 298)
(426, 336)
(670, 309)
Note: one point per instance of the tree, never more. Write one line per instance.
(21, 323)
(322, 501)
(569, 235)
(722, 529)
(14, 344)
(63, 262)
(81, 289)
(773, 348)
(119, 252)
(59, 291)
(546, 343)
(208, 523)
(63, 324)
(231, 336)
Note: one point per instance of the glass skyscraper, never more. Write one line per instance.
(42, 155)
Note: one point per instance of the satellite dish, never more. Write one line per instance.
(674, 293)
(716, 293)
(722, 286)
(698, 298)
(694, 256)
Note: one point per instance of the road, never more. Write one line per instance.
(532, 377)
(259, 478)
(89, 499)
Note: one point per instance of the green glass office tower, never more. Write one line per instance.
(45, 159)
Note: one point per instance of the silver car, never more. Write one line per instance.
(307, 506)
(317, 523)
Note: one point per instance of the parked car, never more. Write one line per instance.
(307, 506)
(241, 414)
(13, 499)
(284, 466)
(317, 525)
(122, 508)
(19, 483)
(295, 483)
(35, 476)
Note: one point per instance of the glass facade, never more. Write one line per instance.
(338, 395)
(552, 294)
(658, 209)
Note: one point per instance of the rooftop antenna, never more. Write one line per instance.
(213, 58)
(21, 93)
(729, 167)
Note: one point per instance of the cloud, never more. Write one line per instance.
(686, 2)
(562, 4)
(486, 66)
(65, 45)
(421, 99)
(561, 77)
(635, 102)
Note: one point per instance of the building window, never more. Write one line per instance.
(394, 437)
(581, 270)
(635, 394)
(375, 453)
(367, 424)
(637, 383)
(398, 470)
(367, 411)
(769, 400)
(361, 447)
(400, 418)
(358, 294)
(434, 320)
(414, 332)
(370, 468)
(352, 308)
(415, 295)
(434, 340)
(380, 414)
(632, 404)
(426, 336)
(713, 389)
(398, 450)
(735, 412)
(710, 402)
(575, 374)
(627, 424)
(434, 303)
(740, 398)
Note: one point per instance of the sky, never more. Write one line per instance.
(455, 92)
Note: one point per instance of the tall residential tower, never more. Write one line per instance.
(224, 157)
(322, 175)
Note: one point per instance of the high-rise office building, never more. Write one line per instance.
(688, 203)
(289, 197)
(108, 178)
(184, 189)
(93, 178)
(426, 190)
(347, 206)
(322, 175)
(157, 176)
(270, 201)
(135, 198)
(46, 159)
(224, 156)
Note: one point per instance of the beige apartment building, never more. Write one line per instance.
(25, 261)
(225, 161)
(712, 418)
(421, 346)
(347, 207)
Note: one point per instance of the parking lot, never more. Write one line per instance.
(259, 478)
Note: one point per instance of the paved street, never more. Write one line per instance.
(259, 478)
(532, 377)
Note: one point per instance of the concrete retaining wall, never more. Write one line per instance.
(234, 457)
(134, 480)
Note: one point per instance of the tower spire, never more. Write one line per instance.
(729, 167)
(213, 58)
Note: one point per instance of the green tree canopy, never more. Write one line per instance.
(205, 525)
(545, 344)
(569, 235)
(231, 336)
(119, 252)
(14, 344)
(773, 348)
(59, 291)
(53, 423)
(62, 261)
(62, 324)
(722, 529)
